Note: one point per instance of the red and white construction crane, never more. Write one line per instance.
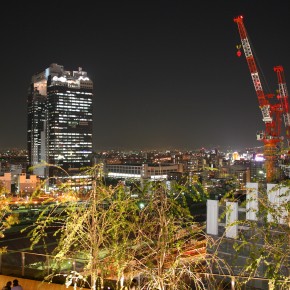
(271, 111)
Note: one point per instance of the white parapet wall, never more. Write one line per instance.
(232, 215)
(278, 197)
(252, 201)
(212, 217)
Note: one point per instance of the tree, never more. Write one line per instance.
(7, 218)
(151, 236)
(97, 231)
(167, 232)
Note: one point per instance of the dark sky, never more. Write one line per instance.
(165, 73)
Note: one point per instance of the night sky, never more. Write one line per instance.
(165, 73)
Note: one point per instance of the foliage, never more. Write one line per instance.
(7, 217)
(113, 237)
(89, 230)
(167, 231)
(147, 231)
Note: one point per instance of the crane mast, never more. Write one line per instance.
(283, 97)
(271, 112)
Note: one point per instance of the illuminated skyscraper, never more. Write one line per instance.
(60, 119)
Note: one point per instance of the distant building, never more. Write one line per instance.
(26, 184)
(257, 171)
(59, 120)
(239, 170)
(5, 182)
(143, 171)
(13, 160)
(23, 183)
(36, 123)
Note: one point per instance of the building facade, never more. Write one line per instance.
(60, 111)
(25, 184)
(142, 171)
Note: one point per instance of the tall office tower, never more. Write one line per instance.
(62, 126)
(36, 124)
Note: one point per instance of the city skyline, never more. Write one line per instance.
(165, 73)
